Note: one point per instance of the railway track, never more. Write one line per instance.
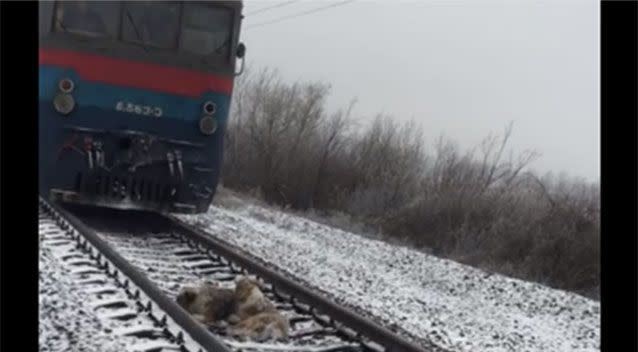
(125, 311)
(162, 254)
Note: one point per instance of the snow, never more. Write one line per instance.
(66, 321)
(171, 272)
(78, 308)
(423, 297)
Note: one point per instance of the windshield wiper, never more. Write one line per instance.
(61, 24)
(226, 42)
(137, 33)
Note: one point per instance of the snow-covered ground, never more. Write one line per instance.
(66, 321)
(82, 309)
(454, 306)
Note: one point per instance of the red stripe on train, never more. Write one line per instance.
(137, 74)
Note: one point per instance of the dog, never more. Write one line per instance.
(246, 308)
(255, 316)
(208, 303)
(250, 300)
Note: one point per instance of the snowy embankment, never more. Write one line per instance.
(453, 306)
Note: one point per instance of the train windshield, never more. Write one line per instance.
(199, 28)
(151, 23)
(89, 18)
(206, 29)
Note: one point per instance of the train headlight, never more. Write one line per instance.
(209, 108)
(64, 103)
(66, 85)
(208, 125)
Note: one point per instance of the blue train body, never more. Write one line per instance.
(124, 124)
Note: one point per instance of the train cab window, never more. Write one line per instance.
(88, 18)
(151, 23)
(206, 29)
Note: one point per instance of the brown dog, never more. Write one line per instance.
(208, 303)
(252, 314)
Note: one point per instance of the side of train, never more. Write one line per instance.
(133, 101)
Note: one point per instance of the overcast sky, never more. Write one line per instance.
(461, 68)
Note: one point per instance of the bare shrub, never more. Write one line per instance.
(281, 140)
(483, 207)
(387, 160)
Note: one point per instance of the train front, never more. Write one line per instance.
(133, 101)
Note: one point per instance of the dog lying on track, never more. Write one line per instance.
(208, 303)
(246, 308)
(255, 316)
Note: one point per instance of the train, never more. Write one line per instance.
(134, 99)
